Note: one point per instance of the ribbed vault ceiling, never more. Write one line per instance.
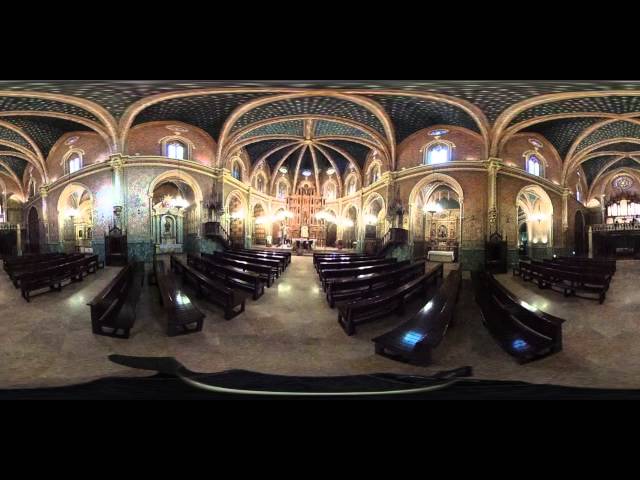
(378, 105)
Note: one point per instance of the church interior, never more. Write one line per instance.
(325, 229)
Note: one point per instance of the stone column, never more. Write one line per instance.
(603, 210)
(590, 242)
(494, 164)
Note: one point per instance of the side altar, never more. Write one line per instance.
(168, 226)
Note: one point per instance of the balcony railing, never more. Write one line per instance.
(615, 227)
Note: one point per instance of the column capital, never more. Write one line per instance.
(495, 163)
(44, 191)
(117, 162)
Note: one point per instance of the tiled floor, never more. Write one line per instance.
(291, 330)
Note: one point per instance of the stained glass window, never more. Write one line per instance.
(623, 182)
(533, 165)
(236, 172)
(260, 183)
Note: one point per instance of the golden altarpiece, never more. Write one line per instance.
(304, 204)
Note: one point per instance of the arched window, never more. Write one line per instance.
(176, 150)
(351, 186)
(374, 174)
(330, 191)
(578, 193)
(260, 183)
(533, 165)
(74, 163)
(282, 190)
(236, 171)
(437, 153)
(32, 188)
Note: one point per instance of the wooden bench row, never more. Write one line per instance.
(269, 270)
(230, 299)
(570, 267)
(278, 255)
(351, 314)
(336, 256)
(10, 263)
(328, 275)
(113, 310)
(333, 265)
(414, 340)
(609, 263)
(17, 274)
(520, 329)
(53, 277)
(231, 276)
(583, 285)
(369, 284)
(182, 316)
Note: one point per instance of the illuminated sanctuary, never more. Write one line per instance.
(245, 189)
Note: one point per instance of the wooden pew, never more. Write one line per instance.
(582, 285)
(351, 314)
(327, 265)
(10, 263)
(413, 341)
(231, 300)
(602, 262)
(327, 275)
(269, 253)
(370, 284)
(269, 268)
(15, 274)
(53, 277)
(570, 267)
(113, 310)
(319, 257)
(520, 329)
(233, 276)
(278, 261)
(183, 316)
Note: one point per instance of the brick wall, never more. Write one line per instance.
(144, 139)
(469, 145)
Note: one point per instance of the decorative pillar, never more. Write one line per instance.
(492, 211)
(603, 210)
(565, 217)
(44, 193)
(117, 165)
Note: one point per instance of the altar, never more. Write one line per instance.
(440, 256)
